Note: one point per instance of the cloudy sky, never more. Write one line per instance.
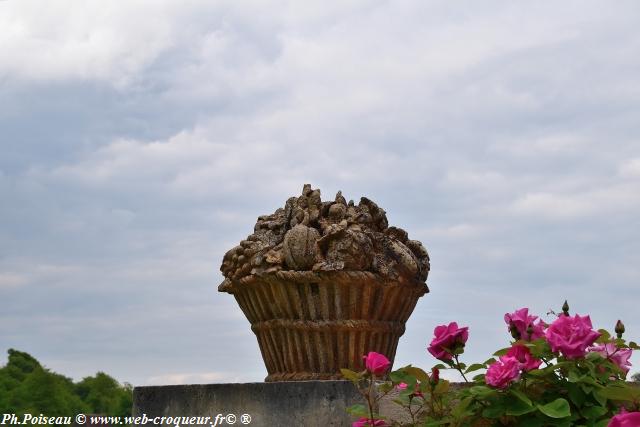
(140, 140)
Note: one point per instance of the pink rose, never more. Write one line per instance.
(503, 372)
(625, 419)
(523, 355)
(520, 321)
(619, 356)
(571, 335)
(366, 422)
(447, 339)
(376, 363)
(401, 386)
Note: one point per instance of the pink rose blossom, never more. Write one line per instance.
(520, 320)
(503, 372)
(366, 422)
(619, 356)
(401, 386)
(625, 419)
(571, 335)
(376, 363)
(523, 355)
(446, 339)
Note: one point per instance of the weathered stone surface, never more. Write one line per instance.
(309, 234)
(300, 403)
(348, 250)
(309, 404)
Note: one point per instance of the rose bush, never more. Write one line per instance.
(560, 374)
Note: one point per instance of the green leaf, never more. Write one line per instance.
(479, 378)
(358, 410)
(593, 412)
(442, 387)
(559, 408)
(418, 373)
(520, 395)
(594, 356)
(461, 407)
(481, 391)
(600, 399)
(401, 376)
(538, 347)
(494, 411)
(385, 387)
(517, 407)
(502, 351)
(620, 393)
(576, 395)
(474, 367)
(405, 394)
(350, 375)
(604, 336)
(437, 423)
(573, 377)
(531, 422)
(586, 388)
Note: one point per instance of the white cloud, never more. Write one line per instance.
(91, 40)
(197, 378)
(630, 168)
(12, 280)
(610, 198)
(552, 206)
(455, 231)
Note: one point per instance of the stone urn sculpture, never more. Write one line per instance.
(323, 283)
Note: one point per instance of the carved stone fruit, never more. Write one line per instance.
(300, 247)
(352, 248)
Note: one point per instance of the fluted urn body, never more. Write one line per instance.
(311, 324)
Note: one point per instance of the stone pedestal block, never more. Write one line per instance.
(298, 403)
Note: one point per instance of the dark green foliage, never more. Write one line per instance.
(43, 392)
(27, 387)
(105, 395)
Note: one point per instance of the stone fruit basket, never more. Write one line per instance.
(323, 283)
